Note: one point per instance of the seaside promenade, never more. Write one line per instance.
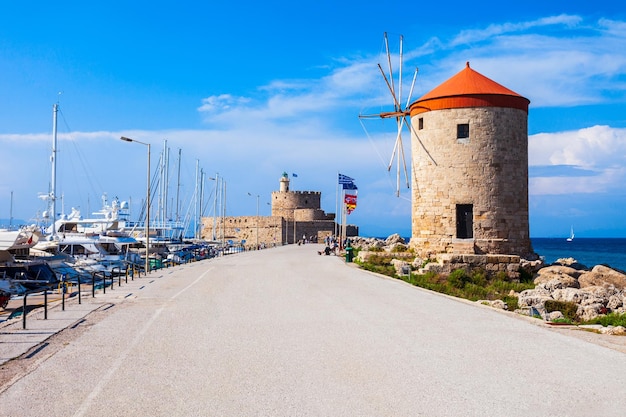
(287, 332)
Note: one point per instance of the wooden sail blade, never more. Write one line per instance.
(400, 77)
(393, 154)
(406, 172)
(392, 87)
(408, 99)
(416, 136)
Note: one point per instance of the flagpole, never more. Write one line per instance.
(346, 183)
(337, 205)
(344, 214)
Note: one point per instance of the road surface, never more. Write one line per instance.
(287, 332)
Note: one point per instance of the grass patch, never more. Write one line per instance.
(379, 264)
(511, 301)
(401, 249)
(563, 320)
(473, 285)
(612, 319)
(477, 285)
(568, 309)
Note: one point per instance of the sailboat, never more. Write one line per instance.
(571, 234)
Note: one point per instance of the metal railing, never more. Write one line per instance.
(98, 281)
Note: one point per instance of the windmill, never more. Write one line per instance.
(400, 113)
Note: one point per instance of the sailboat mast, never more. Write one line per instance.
(166, 183)
(53, 160)
(201, 203)
(11, 212)
(217, 191)
(195, 201)
(163, 183)
(178, 187)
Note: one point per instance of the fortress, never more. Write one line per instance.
(294, 214)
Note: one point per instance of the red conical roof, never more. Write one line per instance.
(469, 88)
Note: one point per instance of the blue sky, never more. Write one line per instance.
(251, 90)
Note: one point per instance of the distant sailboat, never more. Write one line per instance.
(571, 234)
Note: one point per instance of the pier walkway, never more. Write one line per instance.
(287, 332)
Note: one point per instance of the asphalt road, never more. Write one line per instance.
(286, 332)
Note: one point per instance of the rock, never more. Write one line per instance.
(554, 315)
(571, 262)
(395, 238)
(614, 330)
(603, 276)
(532, 266)
(533, 298)
(494, 303)
(397, 247)
(556, 277)
(590, 311)
(556, 271)
(366, 243)
(560, 282)
(603, 294)
(572, 295)
(400, 266)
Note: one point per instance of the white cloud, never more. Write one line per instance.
(31, 137)
(221, 103)
(600, 150)
(574, 62)
(477, 35)
(592, 147)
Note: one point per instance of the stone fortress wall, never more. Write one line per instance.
(295, 215)
(301, 205)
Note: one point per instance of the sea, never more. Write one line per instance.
(587, 251)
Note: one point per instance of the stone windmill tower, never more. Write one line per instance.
(469, 142)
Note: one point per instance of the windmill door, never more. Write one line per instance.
(464, 221)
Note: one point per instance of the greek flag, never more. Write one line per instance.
(344, 179)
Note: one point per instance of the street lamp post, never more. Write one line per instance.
(147, 232)
(257, 220)
(294, 226)
(217, 186)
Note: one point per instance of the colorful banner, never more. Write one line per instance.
(350, 202)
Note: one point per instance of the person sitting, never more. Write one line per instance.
(327, 250)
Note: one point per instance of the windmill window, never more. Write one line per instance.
(462, 131)
(420, 123)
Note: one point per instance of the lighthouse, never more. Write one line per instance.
(469, 143)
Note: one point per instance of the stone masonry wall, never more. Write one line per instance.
(284, 203)
(271, 231)
(489, 171)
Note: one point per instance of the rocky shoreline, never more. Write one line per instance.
(592, 292)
